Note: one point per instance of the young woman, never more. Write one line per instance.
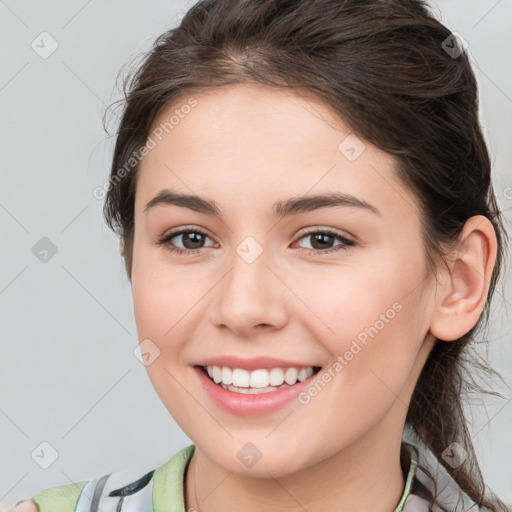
(304, 201)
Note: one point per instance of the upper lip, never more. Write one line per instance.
(253, 363)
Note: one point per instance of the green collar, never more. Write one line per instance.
(413, 453)
(168, 480)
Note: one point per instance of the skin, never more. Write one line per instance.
(246, 147)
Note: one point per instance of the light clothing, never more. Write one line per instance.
(162, 490)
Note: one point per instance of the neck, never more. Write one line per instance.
(366, 476)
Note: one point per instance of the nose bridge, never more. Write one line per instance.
(249, 293)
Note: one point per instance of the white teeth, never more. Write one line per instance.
(226, 375)
(259, 379)
(291, 375)
(243, 381)
(216, 374)
(276, 377)
(304, 373)
(240, 378)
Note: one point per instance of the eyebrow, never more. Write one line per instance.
(292, 206)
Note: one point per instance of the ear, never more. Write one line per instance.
(462, 293)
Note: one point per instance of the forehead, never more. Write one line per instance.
(236, 119)
(247, 141)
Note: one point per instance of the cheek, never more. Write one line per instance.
(159, 308)
(161, 304)
(369, 318)
(166, 301)
(155, 290)
(155, 303)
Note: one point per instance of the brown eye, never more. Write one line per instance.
(191, 239)
(322, 240)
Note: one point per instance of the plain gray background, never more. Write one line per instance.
(69, 376)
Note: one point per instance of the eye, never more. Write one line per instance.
(191, 239)
(320, 237)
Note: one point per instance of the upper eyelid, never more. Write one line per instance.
(303, 231)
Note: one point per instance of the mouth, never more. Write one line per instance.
(259, 381)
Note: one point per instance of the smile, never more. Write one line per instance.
(257, 381)
(253, 386)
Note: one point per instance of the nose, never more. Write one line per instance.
(249, 297)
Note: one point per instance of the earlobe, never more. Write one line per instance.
(461, 297)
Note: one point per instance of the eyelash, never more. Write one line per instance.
(346, 243)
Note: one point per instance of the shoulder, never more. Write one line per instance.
(147, 493)
(57, 499)
(63, 498)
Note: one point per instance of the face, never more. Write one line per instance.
(341, 286)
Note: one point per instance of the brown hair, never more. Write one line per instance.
(400, 80)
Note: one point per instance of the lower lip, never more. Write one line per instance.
(243, 404)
